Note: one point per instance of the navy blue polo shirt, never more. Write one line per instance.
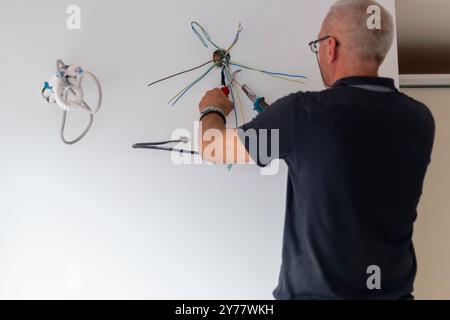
(357, 155)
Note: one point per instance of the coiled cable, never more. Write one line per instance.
(67, 92)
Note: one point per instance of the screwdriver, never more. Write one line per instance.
(259, 103)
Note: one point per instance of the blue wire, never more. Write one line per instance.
(193, 24)
(230, 85)
(269, 72)
(193, 84)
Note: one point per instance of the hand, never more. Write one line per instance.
(216, 98)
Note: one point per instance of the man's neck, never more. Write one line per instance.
(356, 73)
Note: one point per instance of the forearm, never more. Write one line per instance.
(212, 136)
(212, 121)
(220, 145)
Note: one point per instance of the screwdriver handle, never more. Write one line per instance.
(260, 105)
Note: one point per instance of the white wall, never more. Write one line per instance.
(431, 233)
(127, 223)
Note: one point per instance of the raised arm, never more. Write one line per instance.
(218, 144)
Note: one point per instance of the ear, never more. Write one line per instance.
(332, 50)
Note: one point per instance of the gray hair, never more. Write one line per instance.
(350, 17)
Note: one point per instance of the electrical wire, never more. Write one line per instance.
(160, 143)
(239, 100)
(195, 24)
(230, 84)
(269, 72)
(60, 65)
(236, 39)
(241, 105)
(180, 94)
(158, 146)
(167, 149)
(205, 38)
(180, 73)
(83, 134)
(227, 79)
(286, 79)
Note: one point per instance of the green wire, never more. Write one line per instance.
(205, 38)
(179, 95)
(269, 72)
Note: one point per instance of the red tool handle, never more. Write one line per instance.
(226, 90)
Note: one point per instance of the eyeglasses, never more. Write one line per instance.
(314, 45)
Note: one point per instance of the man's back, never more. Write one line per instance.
(356, 162)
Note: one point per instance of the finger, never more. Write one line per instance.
(217, 90)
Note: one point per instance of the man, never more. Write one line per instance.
(357, 155)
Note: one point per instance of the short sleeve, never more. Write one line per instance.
(270, 135)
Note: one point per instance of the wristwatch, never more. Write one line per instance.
(216, 110)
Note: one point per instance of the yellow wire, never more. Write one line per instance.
(282, 78)
(269, 74)
(239, 101)
(236, 91)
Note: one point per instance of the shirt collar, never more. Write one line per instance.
(363, 80)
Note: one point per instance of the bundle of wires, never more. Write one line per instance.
(225, 64)
(228, 80)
